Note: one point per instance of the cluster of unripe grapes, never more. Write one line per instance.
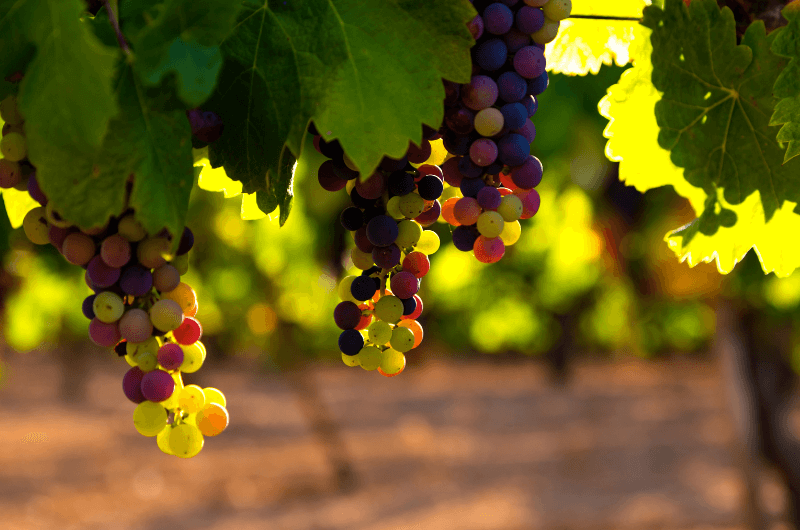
(390, 209)
(140, 306)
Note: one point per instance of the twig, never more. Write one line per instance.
(111, 7)
(605, 17)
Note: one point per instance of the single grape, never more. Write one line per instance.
(166, 278)
(529, 19)
(57, 235)
(131, 385)
(147, 361)
(514, 115)
(343, 290)
(108, 307)
(451, 173)
(483, 151)
(417, 309)
(185, 441)
(408, 234)
(188, 332)
(430, 187)
(213, 419)
(373, 187)
(115, 251)
(103, 334)
(150, 418)
(476, 27)
(480, 93)
(170, 356)
(10, 173)
(530, 103)
(469, 169)
(347, 315)
(382, 230)
(88, 306)
(464, 237)
(162, 440)
(402, 339)
(194, 355)
(361, 260)
(135, 280)
(491, 54)
(9, 111)
(516, 40)
(191, 399)
(166, 315)
(489, 198)
(488, 122)
(36, 229)
(393, 164)
(530, 202)
(130, 229)
(548, 32)
(409, 306)
(528, 131)
(14, 147)
(467, 210)
(350, 341)
(186, 298)
(393, 207)
(393, 363)
(490, 224)
(529, 174)
(379, 332)
(389, 309)
(370, 358)
(511, 233)
(510, 208)
(457, 144)
(513, 150)
(135, 325)
(529, 62)
(151, 252)
(428, 242)
(362, 241)
(489, 250)
(448, 211)
(498, 18)
(412, 205)
(417, 264)
(404, 284)
(415, 328)
(100, 273)
(186, 243)
(429, 216)
(363, 288)
(557, 9)
(460, 120)
(352, 218)
(35, 191)
(419, 154)
(213, 395)
(386, 257)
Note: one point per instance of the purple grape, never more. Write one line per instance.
(136, 280)
(88, 306)
(157, 386)
(489, 198)
(362, 289)
(464, 237)
(476, 27)
(471, 187)
(516, 40)
(491, 55)
(529, 62)
(35, 191)
(57, 235)
(329, 178)
(132, 385)
(409, 305)
(514, 115)
(451, 173)
(352, 218)
(394, 164)
(452, 92)
(382, 230)
(170, 356)
(404, 284)
(102, 334)
(401, 183)
(373, 187)
(362, 241)
(529, 19)
(529, 174)
(480, 93)
(351, 342)
(455, 143)
(101, 274)
(187, 241)
(498, 18)
(513, 149)
(528, 131)
(537, 85)
(461, 120)
(430, 188)
(531, 105)
(430, 216)
(347, 315)
(511, 87)
(483, 152)
(469, 169)
(386, 257)
(206, 126)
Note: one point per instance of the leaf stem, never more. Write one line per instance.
(111, 7)
(606, 17)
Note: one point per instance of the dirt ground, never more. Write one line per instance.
(447, 445)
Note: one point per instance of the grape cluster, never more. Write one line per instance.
(379, 309)
(487, 126)
(140, 306)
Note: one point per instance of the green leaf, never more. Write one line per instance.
(714, 113)
(584, 45)
(17, 49)
(185, 39)
(787, 86)
(368, 74)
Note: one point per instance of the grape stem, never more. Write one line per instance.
(111, 8)
(606, 17)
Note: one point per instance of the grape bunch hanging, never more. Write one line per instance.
(140, 306)
(482, 189)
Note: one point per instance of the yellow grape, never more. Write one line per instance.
(185, 440)
(213, 419)
(191, 399)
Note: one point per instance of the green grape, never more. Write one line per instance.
(147, 361)
(185, 440)
(548, 32)
(489, 122)
(166, 315)
(108, 307)
(370, 358)
(193, 357)
(389, 309)
(402, 339)
(428, 243)
(393, 361)
(379, 332)
(130, 229)
(213, 395)
(490, 224)
(35, 226)
(510, 208)
(350, 360)
(181, 263)
(191, 399)
(361, 260)
(9, 111)
(171, 402)
(162, 439)
(149, 418)
(408, 233)
(14, 146)
(134, 349)
(344, 289)
(511, 232)
(393, 208)
(151, 252)
(557, 9)
(450, 192)
(412, 205)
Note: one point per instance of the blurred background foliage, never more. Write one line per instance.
(595, 250)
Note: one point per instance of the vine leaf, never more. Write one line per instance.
(185, 39)
(787, 86)
(715, 108)
(583, 46)
(368, 74)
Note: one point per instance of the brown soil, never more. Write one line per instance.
(462, 446)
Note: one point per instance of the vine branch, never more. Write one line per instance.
(111, 7)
